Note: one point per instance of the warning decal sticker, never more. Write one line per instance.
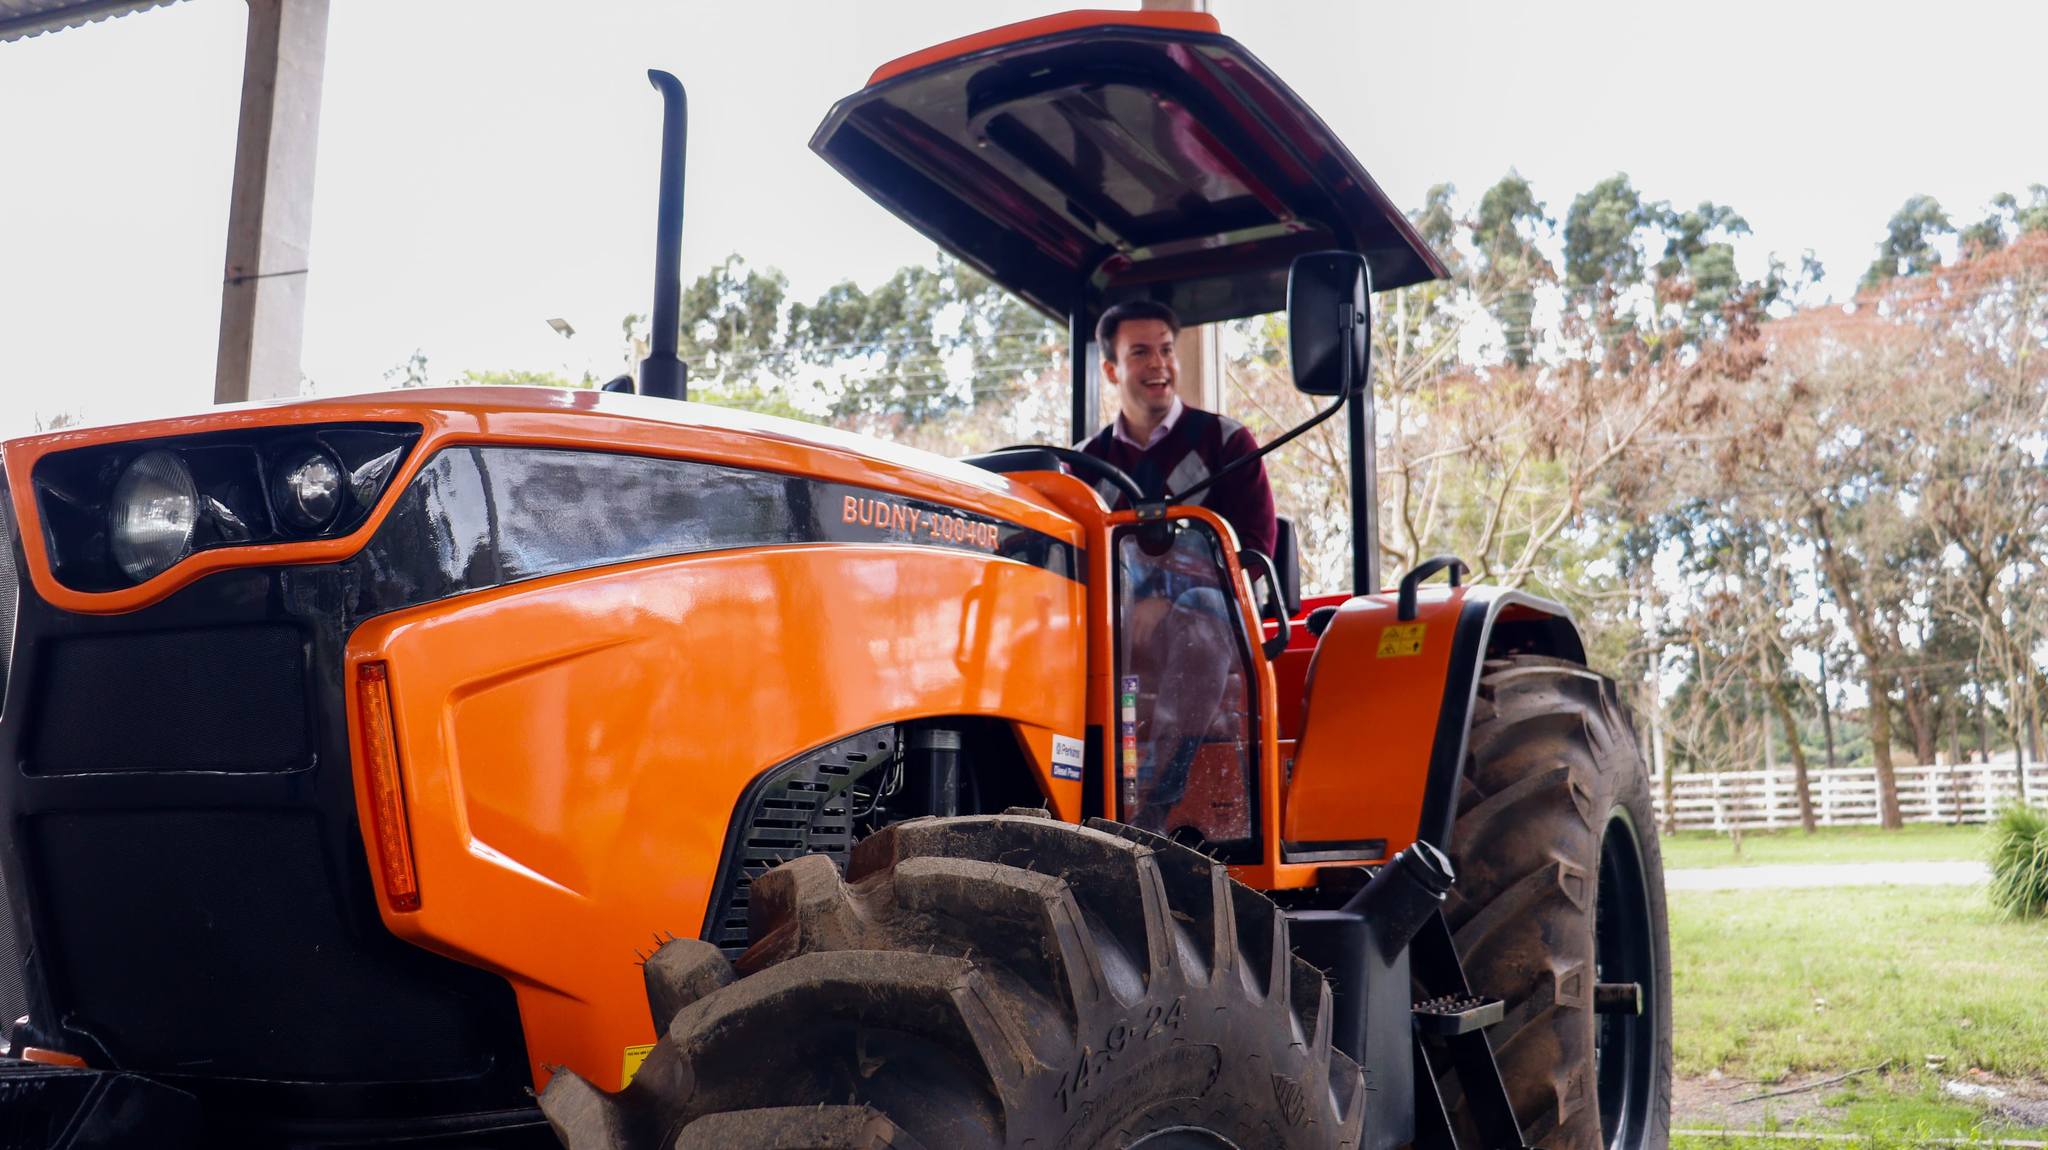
(1401, 640)
(635, 1055)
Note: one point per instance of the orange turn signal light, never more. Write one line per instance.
(387, 796)
(50, 1057)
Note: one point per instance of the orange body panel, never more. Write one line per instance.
(532, 416)
(572, 749)
(1369, 724)
(1043, 26)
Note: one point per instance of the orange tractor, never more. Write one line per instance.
(383, 763)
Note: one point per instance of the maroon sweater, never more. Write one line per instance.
(1199, 445)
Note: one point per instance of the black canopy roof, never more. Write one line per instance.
(1092, 157)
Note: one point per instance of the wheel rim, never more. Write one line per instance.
(1624, 1046)
(1183, 1138)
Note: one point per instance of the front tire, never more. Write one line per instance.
(1561, 887)
(991, 981)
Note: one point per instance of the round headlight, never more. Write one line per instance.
(154, 510)
(307, 491)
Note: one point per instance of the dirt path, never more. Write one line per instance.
(1786, 875)
(1711, 1103)
(1716, 1104)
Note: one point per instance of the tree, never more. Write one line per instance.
(411, 373)
(1987, 494)
(1697, 270)
(732, 322)
(518, 377)
(927, 342)
(1437, 223)
(1506, 232)
(1908, 245)
(1603, 251)
(2007, 220)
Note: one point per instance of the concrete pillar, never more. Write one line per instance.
(270, 212)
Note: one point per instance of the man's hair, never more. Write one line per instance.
(1116, 317)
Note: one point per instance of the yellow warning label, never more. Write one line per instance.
(635, 1055)
(1402, 639)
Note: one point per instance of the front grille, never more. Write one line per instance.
(214, 943)
(212, 699)
(188, 881)
(806, 806)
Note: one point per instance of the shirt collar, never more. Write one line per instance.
(1123, 430)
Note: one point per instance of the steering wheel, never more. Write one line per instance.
(1085, 464)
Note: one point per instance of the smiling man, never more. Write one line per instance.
(1163, 442)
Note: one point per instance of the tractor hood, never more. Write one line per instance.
(1091, 157)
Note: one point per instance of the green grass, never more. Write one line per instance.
(1917, 842)
(1916, 1104)
(1772, 983)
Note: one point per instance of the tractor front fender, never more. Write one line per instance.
(1386, 710)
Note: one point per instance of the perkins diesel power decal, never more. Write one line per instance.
(1067, 757)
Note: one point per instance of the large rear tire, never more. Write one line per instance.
(1561, 887)
(992, 981)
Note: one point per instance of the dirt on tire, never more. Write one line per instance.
(1552, 764)
(980, 982)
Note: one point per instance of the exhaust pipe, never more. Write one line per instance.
(661, 373)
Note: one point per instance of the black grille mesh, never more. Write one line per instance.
(808, 806)
(13, 996)
(212, 942)
(212, 699)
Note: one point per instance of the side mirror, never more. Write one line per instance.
(1328, 320)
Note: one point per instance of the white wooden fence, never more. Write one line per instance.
(1847, 796)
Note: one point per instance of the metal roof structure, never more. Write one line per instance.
(20, 19)
(1087, 158)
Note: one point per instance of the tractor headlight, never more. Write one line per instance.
(152, 514)
(308, 490)
(119, 514)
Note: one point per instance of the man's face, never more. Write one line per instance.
(1144, 371)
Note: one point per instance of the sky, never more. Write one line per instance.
(487, 166)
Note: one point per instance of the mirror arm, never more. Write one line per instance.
(1262, 452)
(1346, 316)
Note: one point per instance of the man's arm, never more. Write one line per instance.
(1245, 497)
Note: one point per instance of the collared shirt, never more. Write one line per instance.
(1186, 448)
(1123, 429)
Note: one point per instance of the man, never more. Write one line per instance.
(1180, 696)
(1163, 442)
